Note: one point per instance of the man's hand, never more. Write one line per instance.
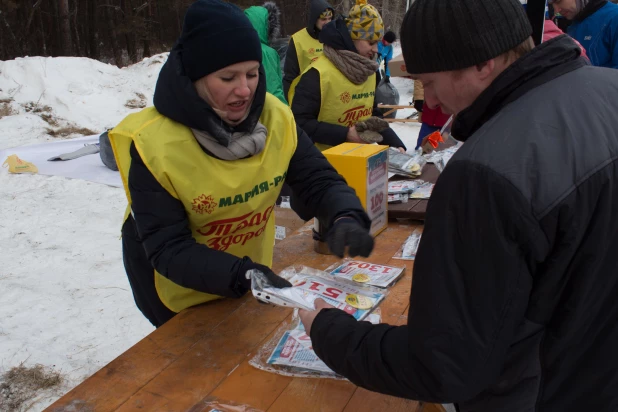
(347, 232)
(401, 149)
(307, 317)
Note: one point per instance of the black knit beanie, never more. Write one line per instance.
(216, 34)
(444, 35)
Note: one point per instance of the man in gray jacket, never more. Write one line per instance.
(513, 304)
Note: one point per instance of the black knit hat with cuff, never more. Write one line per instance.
(444, 35)
(216, 34)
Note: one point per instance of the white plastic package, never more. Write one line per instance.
(290, 352)
(366, 273)
(310, 284)
(410, 246)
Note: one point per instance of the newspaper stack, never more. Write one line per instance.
(405, 164)
(367, 273)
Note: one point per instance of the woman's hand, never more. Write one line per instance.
(353, 136)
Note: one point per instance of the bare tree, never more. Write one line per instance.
(65, 27)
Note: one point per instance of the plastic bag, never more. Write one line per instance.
(423, 191)
(408, 250)
(17, 165)
(289, 352)
(410, 165)
(310, 284)
(403, 186)
(388, 94)
(366, 273)
(212, 404)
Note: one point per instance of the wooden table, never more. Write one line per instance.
(415, 208)
(202, 354)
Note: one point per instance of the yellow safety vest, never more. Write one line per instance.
(307, 48)
(342, 102)
(228, 203)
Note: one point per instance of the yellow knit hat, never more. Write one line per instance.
(364, 22)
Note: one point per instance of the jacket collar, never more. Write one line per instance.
(592, 7)
(175, 97)
(544, 63)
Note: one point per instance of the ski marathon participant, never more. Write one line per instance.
(595, 26)
(432, 119)
(266, 21)
(304, 46)
(337, 91)
(385, 54)
(513, 306)
(204, 166)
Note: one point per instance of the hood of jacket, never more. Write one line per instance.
(176, 98)
(336, 35)
(544, 63)
(317, 7)
(266, 20)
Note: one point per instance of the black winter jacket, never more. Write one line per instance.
(158, 234)
(291, 69)
(513, 304)
(308, 100)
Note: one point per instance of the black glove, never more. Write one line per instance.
(418, 105)
(348, 232)
(276, 281)
(387, 79)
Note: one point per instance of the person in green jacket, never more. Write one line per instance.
(266, 21)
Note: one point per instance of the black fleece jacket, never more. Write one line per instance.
(513, 303)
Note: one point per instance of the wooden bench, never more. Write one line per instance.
(202, 354)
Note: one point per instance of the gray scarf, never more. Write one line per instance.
(353, 66)
(240, 145)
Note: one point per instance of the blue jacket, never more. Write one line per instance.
(385, 53)
(598, 33)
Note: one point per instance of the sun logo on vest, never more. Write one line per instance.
(204, 204)
(345, 97)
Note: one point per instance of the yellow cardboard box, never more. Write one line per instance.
(365, 168)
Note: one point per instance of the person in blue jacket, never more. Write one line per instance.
(595, 26)
(385, 53)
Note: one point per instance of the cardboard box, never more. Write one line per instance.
(365, 168)
(398, 67)
(286, 222)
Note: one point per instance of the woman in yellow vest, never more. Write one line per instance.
(304, 46)
(337, 91)
(202, 170)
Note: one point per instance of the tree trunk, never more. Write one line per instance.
(111, 27)
(93, 43)
(42, 31)
(129, 32)
(386, 14)
(147, 29)
(65, 27)
(77, 45)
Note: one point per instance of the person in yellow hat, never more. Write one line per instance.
(333, 101)
(304, 46)
(203, 168)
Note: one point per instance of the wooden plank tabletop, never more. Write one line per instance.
(202, 354)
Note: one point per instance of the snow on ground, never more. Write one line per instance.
(53, 93)
(66, 302)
